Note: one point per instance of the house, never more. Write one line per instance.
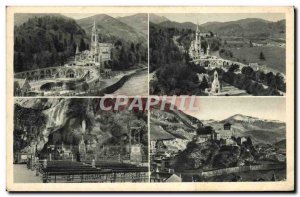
(254, 66)
(205, 134)
(164, 177)
(241, 140)
(228, 142)
(21, 87)
(203, 138)
(226, 132)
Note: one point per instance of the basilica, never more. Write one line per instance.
(196, 51)
(98, 53)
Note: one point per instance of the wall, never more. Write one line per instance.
(242, 169)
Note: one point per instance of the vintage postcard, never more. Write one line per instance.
(142, 99)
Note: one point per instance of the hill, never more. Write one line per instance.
(281, 144)
(21, 18)
(138, 21)
(174, 122)
(249, 27)
(265, 136)
(153, 18)
(111, 28)
(180, 26)
(46, 41)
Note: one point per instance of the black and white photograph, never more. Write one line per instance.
(216, 54)
(150, 98)
(80, 54)
(226, 140)
(69, 140)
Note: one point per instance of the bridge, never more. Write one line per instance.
(214, 62)
(53, 73)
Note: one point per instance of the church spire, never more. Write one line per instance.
(94, 26)
(208, 49)
(198, 29)
(94, 39)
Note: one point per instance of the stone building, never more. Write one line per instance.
(21, 87)
(98, 53)
(205, 134)
(165, 177)
(196, 50)
(215, 86)
(227, 132)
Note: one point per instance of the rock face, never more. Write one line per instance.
(210, 155)
(175, 122)
(61, 122)
(195, 156)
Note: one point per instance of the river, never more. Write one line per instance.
(136, 85)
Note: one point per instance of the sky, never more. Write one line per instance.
(220, 108)
(220, 17)
(79, 15)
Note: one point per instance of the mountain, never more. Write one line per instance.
(157, 19)
(111, 27)
(46, 41)
(185, 25)
(260, 130)
(174, 122)
(281, 144)
(247, 27)
(21, 18)
(138, 21)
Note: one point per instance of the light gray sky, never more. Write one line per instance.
(220, 17)
(219, 108)
(79, 15)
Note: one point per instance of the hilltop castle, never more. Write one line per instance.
(98, 53)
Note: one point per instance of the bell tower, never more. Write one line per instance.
(208, 50)
(94, 39)
(215, 86)
(198, 41)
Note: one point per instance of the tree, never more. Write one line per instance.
(262, 56)
(82, 45)
(233, 68)
(204, 84)
(247, 70)
(259, 76)
(280, 82)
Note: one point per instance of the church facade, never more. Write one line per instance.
(196, 51)
(98, 53)
(215, 86)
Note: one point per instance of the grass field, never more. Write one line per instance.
(274, 56)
